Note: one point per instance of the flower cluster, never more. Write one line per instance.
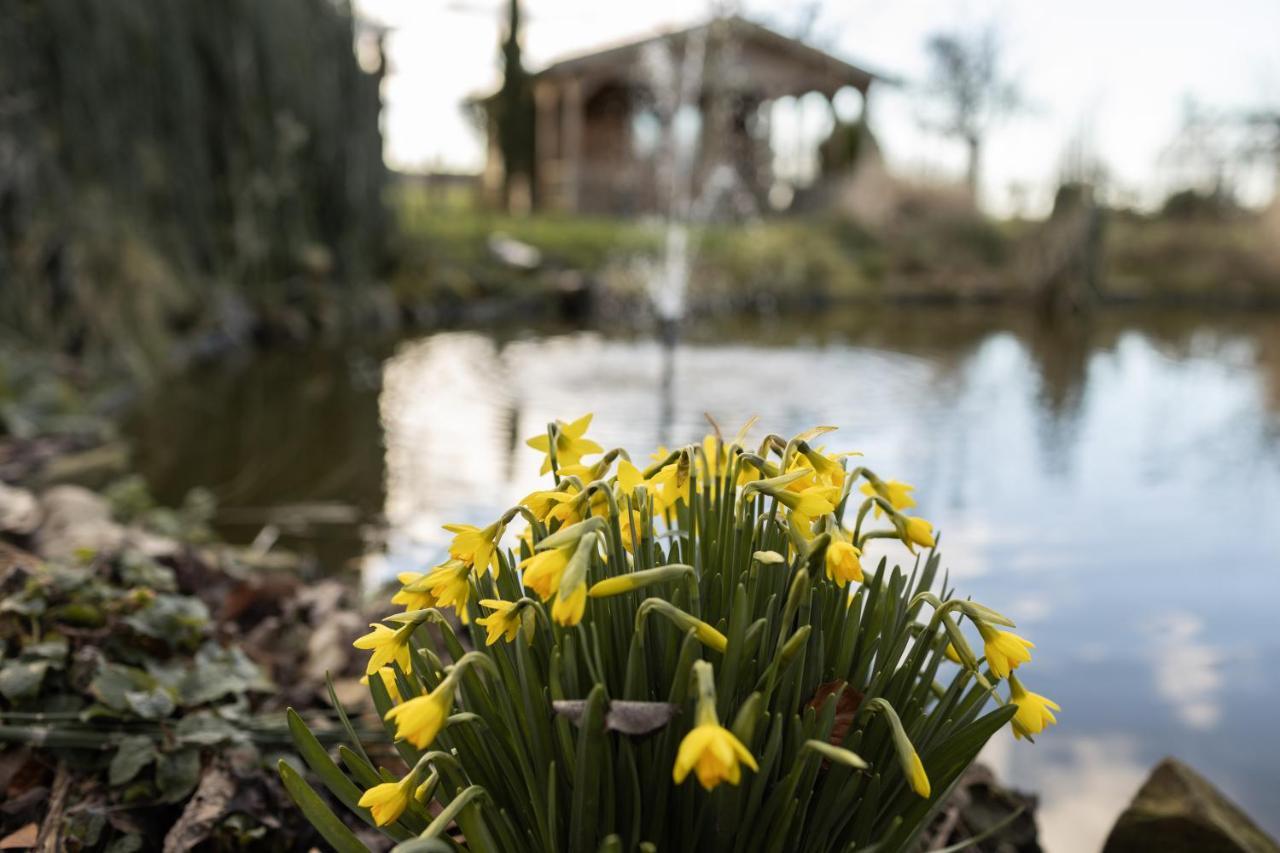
(774, 638)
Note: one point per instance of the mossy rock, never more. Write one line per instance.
(1179, 811)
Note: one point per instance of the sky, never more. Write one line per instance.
(1107, 77)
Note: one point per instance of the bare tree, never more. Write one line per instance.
(968, 90)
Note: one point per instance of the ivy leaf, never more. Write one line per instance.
(177, 774)
(134, 753)
(154, 704)
(21, 679)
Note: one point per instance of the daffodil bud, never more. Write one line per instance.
(631, 581)
(705, 633)
(908, 758)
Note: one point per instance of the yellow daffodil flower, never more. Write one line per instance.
(570, 604)
(710, 750)
(827, 470)
(842, 562)
(388, 676)
(1005, 650)
(504, 621)
(475, 546)
(571, 446)
(1035, 712)
(629, 477)
(540, 503)
(917, 778)
(387, 645)
(812, 502)
(450, 583)
(714, 456)
(543, 570)
(421, 718)
(413, 595)
(389, 800)
(897, 493)
(714, 754)
(914, 531)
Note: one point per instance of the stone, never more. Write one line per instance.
(76, 519)
(1179, 811)
(19, 511)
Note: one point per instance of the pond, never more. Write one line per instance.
(1114, 486)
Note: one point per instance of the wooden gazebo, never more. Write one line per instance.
(602, 118)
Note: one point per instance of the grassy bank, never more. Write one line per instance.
(797, 262)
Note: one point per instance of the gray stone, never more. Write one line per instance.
(76, 519)
(19, 510)
(1179, 811)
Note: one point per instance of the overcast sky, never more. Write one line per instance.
(1113, 73)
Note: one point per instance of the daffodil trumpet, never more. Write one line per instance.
(711, 751)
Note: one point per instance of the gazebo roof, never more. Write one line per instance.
(773, 65)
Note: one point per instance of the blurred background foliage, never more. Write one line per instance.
(162, 162)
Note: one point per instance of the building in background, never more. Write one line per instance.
(617, 127)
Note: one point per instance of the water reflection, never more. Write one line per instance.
(1083, 783)
(1115, 486)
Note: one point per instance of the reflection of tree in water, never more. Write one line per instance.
(286, 427)
(1059, 350)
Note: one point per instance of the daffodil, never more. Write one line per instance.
(827, 470)
(571, 446)
(475, 546)
(571, 603)
(1035, 712)
(542, 571)
(842, 562)
(542, 502)
(387, 645)
(450, 583)
(421, 718)
(389, 800)
(917, 778)
(714, 456)
(914, 531)
(1005, 650)
(629, 477)
(811, 502)
(388, 676)
(503, 622)
(413, 594)
(710, 750)
(897, 493)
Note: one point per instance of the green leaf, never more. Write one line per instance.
(21, 679)
(177, 774)
(133, 753)
(588, 773)
(318, 813)
(154, 704)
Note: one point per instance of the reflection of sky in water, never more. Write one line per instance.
(1123, 507)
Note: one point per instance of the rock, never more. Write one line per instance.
(1178, 811)
(19, 511)
(76, 519)
(980, 807)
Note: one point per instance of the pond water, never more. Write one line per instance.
(1115, 487)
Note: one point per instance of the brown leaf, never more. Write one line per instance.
(22, 839)
(847, 702)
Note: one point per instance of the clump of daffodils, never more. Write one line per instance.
(685, 651)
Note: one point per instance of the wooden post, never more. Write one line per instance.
(571, 143)
(548, 150)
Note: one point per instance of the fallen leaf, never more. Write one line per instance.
(22, 839)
